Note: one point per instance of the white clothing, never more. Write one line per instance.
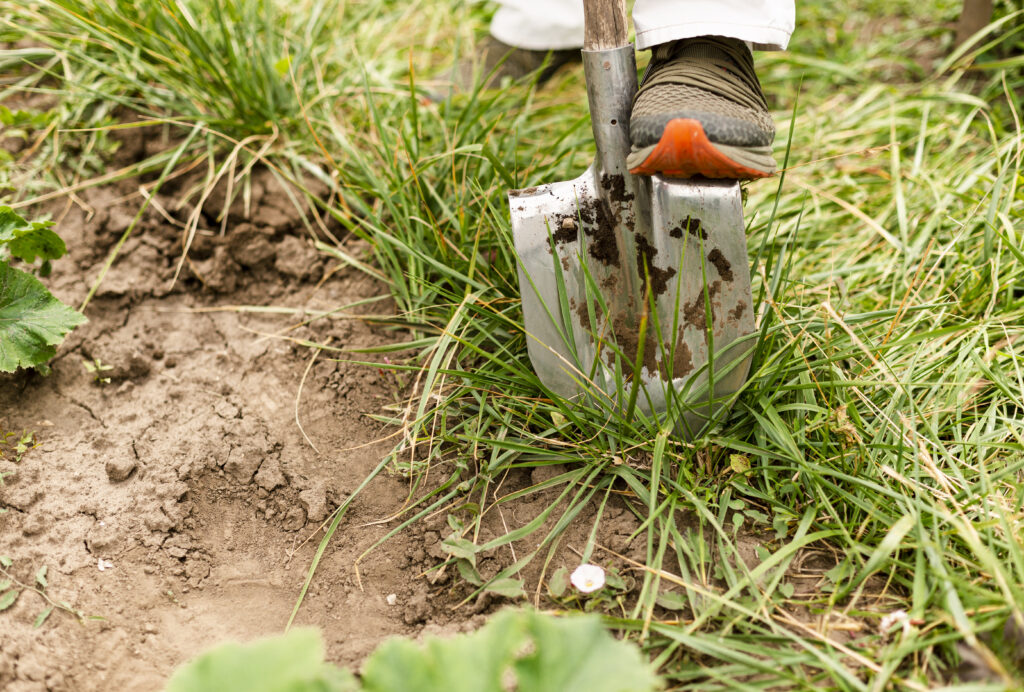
(558, 24)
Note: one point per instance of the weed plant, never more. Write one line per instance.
(875, 453)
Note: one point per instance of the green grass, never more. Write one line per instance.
(882, 423)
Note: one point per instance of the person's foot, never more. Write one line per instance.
(494, 60)
(700, 111)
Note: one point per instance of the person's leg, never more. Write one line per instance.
(544, 25)
(765, 24)
(539, 25)
(525, 36)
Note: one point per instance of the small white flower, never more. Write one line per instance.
(896, 617)
(587, 578)
(104, 565)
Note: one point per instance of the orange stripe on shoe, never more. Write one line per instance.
(685, 151)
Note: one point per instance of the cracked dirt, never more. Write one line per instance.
(172, 497)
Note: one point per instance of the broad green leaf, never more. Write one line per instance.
(28, 240)
(781, 527)
(577, 654)
(43, 244)
(25, 118)
(282, 66)
(6, 561)
(32, 321)
(837, 573)
(469, 663)
(565, 655)
(613, 581)
(41, 576)
(293, 662)
(739, 463)
(757, 517)
(8, 599)
(468, 572)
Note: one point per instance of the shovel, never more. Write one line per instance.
(636, 290)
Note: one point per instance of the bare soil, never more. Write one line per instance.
(180, 504)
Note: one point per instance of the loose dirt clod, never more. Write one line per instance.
(645, 266)
(615, 186)
(737, 312)
(599, 223)
(682, 361)
(119, 468)
(695, 311)
(269, 477)
(718, 260)
(692, 226)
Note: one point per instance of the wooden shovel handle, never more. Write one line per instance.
(605, 22)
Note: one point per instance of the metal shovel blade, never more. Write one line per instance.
(698, 270)
(636, 290)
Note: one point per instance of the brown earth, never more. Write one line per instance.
(187, 471)
(179, 504)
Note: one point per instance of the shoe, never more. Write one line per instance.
(700, 111)
(500, 60)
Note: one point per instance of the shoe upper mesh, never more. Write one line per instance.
(710, 79)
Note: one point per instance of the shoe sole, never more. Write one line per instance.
(685, 151)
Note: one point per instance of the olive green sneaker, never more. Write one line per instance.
(493, 61)
(700, 111)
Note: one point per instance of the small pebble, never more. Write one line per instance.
(119, 468)
(392, 599)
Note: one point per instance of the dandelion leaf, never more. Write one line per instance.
(521, 650)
